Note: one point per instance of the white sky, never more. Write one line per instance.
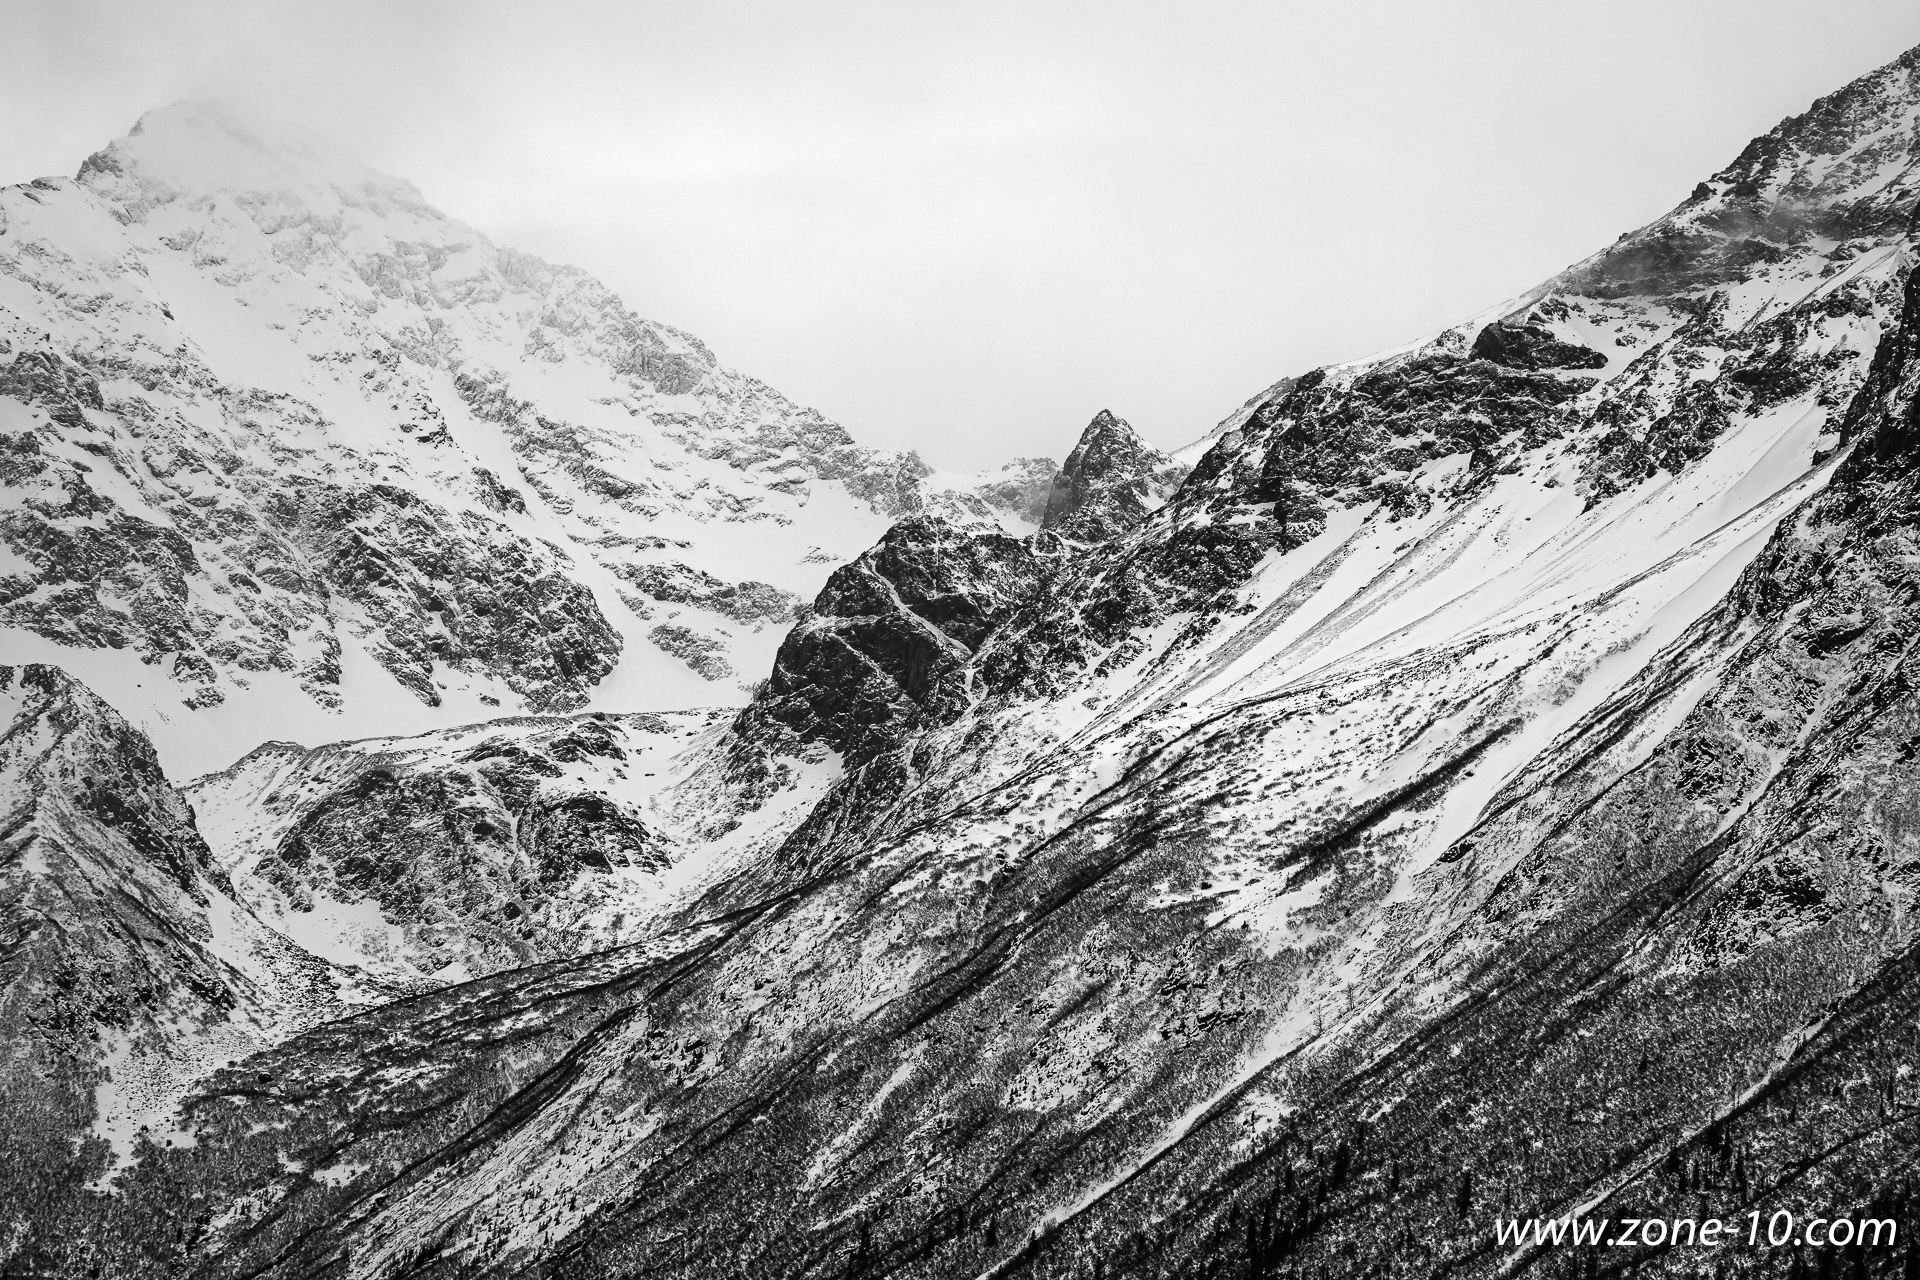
(966, 227)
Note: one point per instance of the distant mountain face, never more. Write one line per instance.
(1482, 786)
(288, 445)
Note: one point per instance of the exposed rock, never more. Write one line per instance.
(392, 470)
(1485, 788)
(699, 651)
(892, 635)
(1111, 481)
(125, 968)
(445, 857)
(746, 602)
(1533, 346)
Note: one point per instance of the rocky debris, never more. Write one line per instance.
(703, 653)
(745, 602)
(892, 635)
(1110, 483)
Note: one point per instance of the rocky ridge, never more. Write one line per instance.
(449, 855)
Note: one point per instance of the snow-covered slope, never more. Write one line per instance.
(438, 858)
(286, 444)
(1483, 787)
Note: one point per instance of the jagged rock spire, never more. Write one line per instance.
(1111, 480)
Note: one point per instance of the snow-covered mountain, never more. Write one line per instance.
(289, 446)
(1483, 785)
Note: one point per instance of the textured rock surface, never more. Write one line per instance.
(1110, 482)
(126, 967)
(890, 642)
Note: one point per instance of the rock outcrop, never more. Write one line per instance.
(441, 858)
(1110, 483)
(126, 967)
(891, 637)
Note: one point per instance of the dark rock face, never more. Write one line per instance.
(703, 653)
(231, 534)
(1255, 985)
(63, 388)
(1646, 428)
(893, 634)
(1883, 421)
(1110, 482)
(479, 859)
(1703, 945)
(497, 496)
(1691, 975)
(1267, 485)
(1331, 439)
(1532, 346)
(460, 591)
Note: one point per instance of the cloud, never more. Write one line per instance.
(966, 227)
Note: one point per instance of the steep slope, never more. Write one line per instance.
(1685, 938)
(1484, 787)
(126, 967)
(287, 444)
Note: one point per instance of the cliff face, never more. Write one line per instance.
(1484, 787)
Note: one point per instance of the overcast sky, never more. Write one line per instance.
(966, 227)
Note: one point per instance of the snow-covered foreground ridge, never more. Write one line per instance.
(1484, 785)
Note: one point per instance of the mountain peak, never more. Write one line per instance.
(1841, 171)
(1109, 483)
(205, 147)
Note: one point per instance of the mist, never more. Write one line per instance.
(965, 229)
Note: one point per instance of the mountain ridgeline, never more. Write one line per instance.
(1473, 783)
